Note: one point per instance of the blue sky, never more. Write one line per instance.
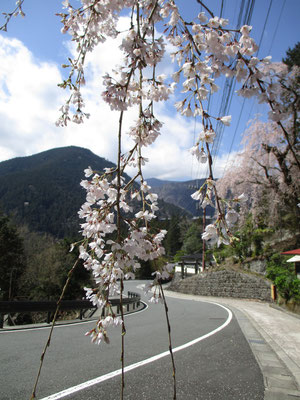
(31, 54)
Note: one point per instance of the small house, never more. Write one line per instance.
(190, 265)
(295, 259)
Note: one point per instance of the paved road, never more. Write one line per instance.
(221, 366)
(274, 337)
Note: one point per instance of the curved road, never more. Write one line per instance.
(213, 359)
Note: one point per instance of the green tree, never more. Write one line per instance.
(250, 243)
(192, 242)
(48, 263)
(293, 56)
(173, 241)
(12, 259)
(251, 238)
(284, 277)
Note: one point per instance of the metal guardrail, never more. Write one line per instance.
(11, 307)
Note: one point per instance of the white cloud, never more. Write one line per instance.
(30, 100)
(169, 157)
(223, 162)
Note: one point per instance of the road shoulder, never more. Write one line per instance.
(280, 372)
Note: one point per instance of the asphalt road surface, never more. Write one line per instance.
(213, 358)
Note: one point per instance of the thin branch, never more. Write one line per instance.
(122, 339)
(279, 123)
(70, 273)
(17, 11)
(119, 241)
(206, 8)
(170, 339)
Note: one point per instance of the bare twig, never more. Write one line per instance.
(206, 8)
(70, 273)
(122, 340)
(17, 11)
(170, 340)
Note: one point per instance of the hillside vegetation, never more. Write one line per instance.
(179, 193)
(43, 191)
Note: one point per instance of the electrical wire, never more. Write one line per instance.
(277, 25)
(241, 111)
(265, 24)
(221, 11)
(230, 82)
(234, 135)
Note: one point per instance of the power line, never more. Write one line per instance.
(259, 46)
(277, 25)
(226, 93)
(265, 24)
(230, 82)
(221, 11)
(194, 136)
(233, 139)
(249, 11)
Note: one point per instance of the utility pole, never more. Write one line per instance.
(10, 284)
(203, 241)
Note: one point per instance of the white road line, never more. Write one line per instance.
(113, 374)
(70, 324)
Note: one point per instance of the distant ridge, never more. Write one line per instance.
(155, 183)
(44, 192)
(179, 194)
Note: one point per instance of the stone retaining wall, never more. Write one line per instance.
(224, 283)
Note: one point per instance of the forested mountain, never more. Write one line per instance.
(179, 194)
(43, 190)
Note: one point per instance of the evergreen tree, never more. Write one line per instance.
(12, 260)
(48, 264)
(173, 239)
(192, 243)
(293, 56)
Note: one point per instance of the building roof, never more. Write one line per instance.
(294, 259)
(296, 251)
(197, 256)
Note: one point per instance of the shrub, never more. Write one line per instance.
(283, 276)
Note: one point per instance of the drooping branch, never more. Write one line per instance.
(17, 11)
(48, 342)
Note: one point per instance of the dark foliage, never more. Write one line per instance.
(179, 194)
(43, 191)
(173, 240)
(293, 56)
(11, 259)
(284, 277)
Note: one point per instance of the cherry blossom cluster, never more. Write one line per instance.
(204, 49)
(90, 25)
(146, 129)
(278, 84)
(220, 231)
(207, 49)
(117, 213)
(108, 257)
(154, 287)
